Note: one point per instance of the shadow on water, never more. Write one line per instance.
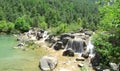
(14, 59)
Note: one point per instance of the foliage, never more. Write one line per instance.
(60, 29)
(3, 26)
(6, 26)
(21, 24)
(83, 68)
(108, 43)
(42, 24)
(106, 49)
(53, 11)
(10, 27)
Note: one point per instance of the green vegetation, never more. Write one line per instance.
(21, 24)
(101, 16)
(6, 27)
(49, 13)
(107, 37)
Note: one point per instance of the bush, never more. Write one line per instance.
(21, 24)
(3, 26)
(6, 27)
(66, 28)
(108, 52)
(10, 27)
(61, 28)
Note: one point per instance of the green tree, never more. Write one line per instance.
(3, 26)
(107, 43)
(21, 24)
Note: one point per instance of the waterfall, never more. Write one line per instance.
(45, 36)
(77, 45)
(90, 48)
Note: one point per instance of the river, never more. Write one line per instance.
(16, 59)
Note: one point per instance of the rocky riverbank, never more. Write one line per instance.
(67, 52)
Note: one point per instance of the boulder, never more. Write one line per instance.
(106, 70)
(39, 35)
(50, 39)
(88, 33)
(20, 45)
(114, 66)
(18, 39)
(64, 35)
(85, 55)
(65, 41)
(68, 52)
(80, 59)
(41, 30)
(80, 65)
(48, 63)
(96, 59)
(58, 45)
(97, 68)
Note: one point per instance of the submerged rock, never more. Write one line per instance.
(68, 52)
(20, 45)
(48, 63)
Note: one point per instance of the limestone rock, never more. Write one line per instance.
(48, 63)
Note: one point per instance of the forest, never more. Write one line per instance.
(100, 16)
(47, 14)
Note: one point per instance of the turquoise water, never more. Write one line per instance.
(13, 59)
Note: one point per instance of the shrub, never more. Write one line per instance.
(108, 52)
(21, 24)
(10, 27)
(3, 26)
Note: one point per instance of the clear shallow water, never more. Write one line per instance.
(14, 59)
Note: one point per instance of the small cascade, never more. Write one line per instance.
(90, 48)
(77, 45)
(45, 36)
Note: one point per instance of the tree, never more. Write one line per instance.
(107, 42)
(21, 24)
